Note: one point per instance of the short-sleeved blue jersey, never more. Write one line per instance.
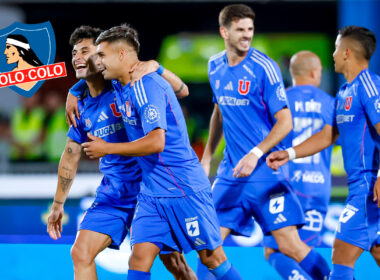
(311, 109)
(151, 104)
(100, 116)
(357, 113)
(248, 95)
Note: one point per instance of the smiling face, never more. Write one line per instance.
(238, 36)
(83, 59)
(11, 54)
(109, 60)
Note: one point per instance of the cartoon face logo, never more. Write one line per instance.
(28, 51)
(151, 114)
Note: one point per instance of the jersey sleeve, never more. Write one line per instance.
(77, 134)
(78, 88)
(274, 91)
(150, 102)
(209, 68)
(370, 100)
(328, 111)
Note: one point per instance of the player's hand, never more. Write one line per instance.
(245, 166)
(376, 192)
(72, 109)
(277, 159)
(54, 225)
(97, 148)
(143, 68)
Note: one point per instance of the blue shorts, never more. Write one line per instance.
(108, 216)
(177, 223)
(272, 203)
(359, 222)
(310, 233)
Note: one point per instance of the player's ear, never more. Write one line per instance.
(223, 32)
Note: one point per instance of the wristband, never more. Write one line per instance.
(378, 173)
(160, 70)
(291, 153)
(256, 151)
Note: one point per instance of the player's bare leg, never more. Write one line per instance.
(375, 252)
(175, 262)
(345, 253)
(87, 246)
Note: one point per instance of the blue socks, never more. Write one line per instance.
(203, 273)
(225, 271)
(138, 275)
(341, 272)
(315, 265)
(287, 267)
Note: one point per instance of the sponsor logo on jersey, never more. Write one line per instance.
(344, 118)
(276, 205)
(102, 117)
(280, 219)
(192, 228)
(244, 87)
(347, 104)
(108, 130)
(151, 114)
(229, 86)
(314, 177)
(232, 101)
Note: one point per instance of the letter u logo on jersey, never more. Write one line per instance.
(128, 109)
(244, 87)
(347, 105)
(115, 112)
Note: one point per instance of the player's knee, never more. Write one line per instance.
(175, 263)
(80, 256)
(213, 258)
(268, 252)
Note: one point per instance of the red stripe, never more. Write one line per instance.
(171, 176)
(361, 147)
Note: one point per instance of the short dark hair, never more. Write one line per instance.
(365, 37)
(122, 32)
(84, 32)
(234, 12)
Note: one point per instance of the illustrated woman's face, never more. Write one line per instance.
(11, 53)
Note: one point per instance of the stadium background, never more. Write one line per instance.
(182, 35)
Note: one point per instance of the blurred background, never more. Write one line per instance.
(181, 35)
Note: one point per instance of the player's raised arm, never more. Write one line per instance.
(316, 143)
(215, 135)
(67, 169)
(146, 67)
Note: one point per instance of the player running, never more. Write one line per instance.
(251, 110)
(107, 221)
(311, 109)
(357, 122)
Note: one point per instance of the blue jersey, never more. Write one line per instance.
(249, 95)
(357, 113)
(151, 104)
(100, 117)
(311, 110)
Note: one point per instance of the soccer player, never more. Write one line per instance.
(251, 110)
(357, 122)
(107, 221)
(311, 109)
(175, 209)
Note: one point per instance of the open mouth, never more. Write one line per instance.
(80, 66)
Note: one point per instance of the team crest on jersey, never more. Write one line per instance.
(88, 123)
(152, 114)
(280, 92)
(347, 104)
(276, 204)
(114, 110)
(244, 87)
(28, 56)
(377, 105)
(128, 109)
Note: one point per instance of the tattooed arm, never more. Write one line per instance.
(67, 169)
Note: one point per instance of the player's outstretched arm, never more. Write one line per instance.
(67, 169)
(214, 137)
(152, 143)
(278, 132)
(146, 67)
(316, 143)
(72, 109)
